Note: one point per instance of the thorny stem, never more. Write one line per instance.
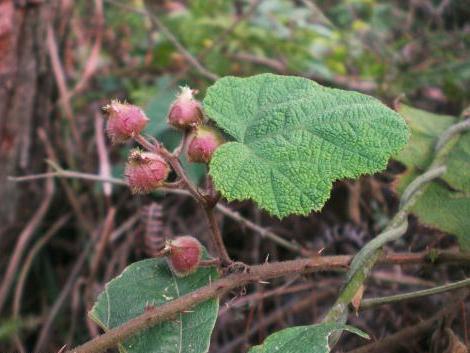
(254, 274)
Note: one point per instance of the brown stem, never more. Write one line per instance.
(395, 342)
(102, 241)
(369, 303)
(179, 170)
(263, 232)
(25, 270)
(174, 185)
(217, 237)
(146, 144)
(236, 216)
(182, 146)
(24, 239)
(205, 202)
(254, 274)
(52, 313)
(175, 164)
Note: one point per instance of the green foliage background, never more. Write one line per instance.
(368, 39)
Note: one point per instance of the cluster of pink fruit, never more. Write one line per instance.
(149, 170)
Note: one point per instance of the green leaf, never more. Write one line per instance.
(458, 165)
(303, 339)
(425, 128)
(444, 209)
(293, 138)
(151, 282)
(446, 203)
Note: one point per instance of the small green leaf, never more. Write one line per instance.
(446, 210)
(425, 127)
(303, 339)
(446, 207)
(293, 138)
(151, 283)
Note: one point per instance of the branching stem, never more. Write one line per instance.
(204, 201)
(253, 274)
(175, 164)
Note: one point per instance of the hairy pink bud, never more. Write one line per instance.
(145, 171)
(202, 143)
(185, 112)
(124, 121)
(184, 255)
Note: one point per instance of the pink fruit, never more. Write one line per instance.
(184, 255)
(145, 171)
(124, 121)
(203, 141)
(185, 112)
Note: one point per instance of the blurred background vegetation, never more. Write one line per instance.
(414, 51)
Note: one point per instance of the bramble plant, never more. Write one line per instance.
(280, 141)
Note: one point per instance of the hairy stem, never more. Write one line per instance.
(254, 274)
(175, 164)
(217, 237)
(203, 201)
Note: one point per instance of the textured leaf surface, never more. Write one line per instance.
(303, 339)
(151, 282)
(445, 204)
(293, 138)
